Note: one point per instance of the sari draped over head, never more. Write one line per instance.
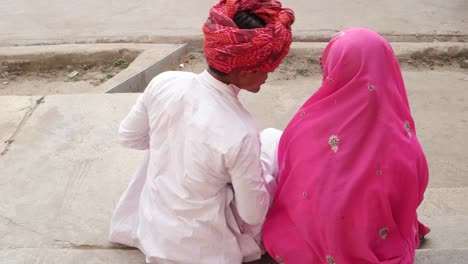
(352, 172)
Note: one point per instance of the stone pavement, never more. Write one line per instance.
(64, 170)
(165, 21)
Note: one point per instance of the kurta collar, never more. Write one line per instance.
(207, 78)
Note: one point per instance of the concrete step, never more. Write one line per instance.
(439, 256)
(423, 256)
(403, 50)
(129, 256)
(63, 170)
(445, 211)
(70, 256)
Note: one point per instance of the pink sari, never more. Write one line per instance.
(352, 171)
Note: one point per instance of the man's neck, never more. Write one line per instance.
(223, 79)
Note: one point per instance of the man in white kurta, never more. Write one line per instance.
(200, 139)
(203, 190)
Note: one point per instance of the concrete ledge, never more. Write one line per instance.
(445, 211)
(133, 256)
(147, 60)
(196, 39)
(403, 50)
(150, 60)
(325, 36)
(74, 52)
(442, 256)
(149, 64)
(71, 256)
(444, 202)
(447, 232)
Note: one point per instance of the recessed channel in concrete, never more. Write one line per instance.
(79, 69)
(122, 68)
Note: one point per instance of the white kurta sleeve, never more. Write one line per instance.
(245, 168)
(270, 138)
(134, 129)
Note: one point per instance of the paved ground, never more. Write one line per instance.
(64, 172)
(57, 21)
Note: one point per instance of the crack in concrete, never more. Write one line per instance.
(21, 226)
(26, 117)
(4, 235)
(70, 245)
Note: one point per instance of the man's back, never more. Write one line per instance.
(180, 207)
(196, 128)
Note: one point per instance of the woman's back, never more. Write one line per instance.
(352, 171)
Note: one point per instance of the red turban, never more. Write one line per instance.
(229, 48)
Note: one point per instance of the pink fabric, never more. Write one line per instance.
(352, 172)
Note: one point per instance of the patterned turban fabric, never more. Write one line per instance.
(229, 48)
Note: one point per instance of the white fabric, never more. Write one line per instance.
(269, 138)
(178, 207)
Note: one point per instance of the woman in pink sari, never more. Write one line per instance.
(352, 172)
